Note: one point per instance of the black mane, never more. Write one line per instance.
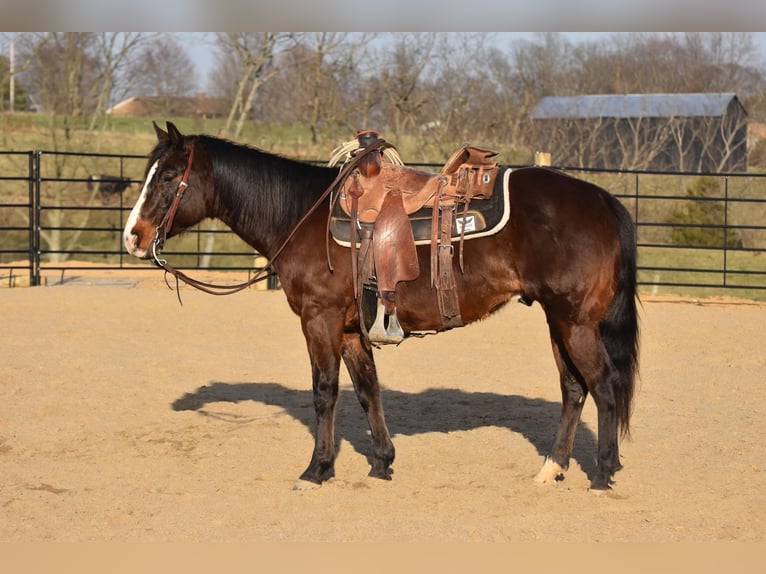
(253, 185)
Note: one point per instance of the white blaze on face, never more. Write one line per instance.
(129, 238)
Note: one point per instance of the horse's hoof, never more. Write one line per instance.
(318, 473)
(603, 482)
(601, 485)
(306, 485)
(599, 491)
(384, 474)
(551, 473)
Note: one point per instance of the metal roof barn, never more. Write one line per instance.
(703, 132)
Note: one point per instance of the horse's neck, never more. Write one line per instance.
(265, 201)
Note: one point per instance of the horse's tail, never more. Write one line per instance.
(619, 330)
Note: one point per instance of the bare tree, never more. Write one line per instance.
(683, 141)
(61, 70)
(251, 55)
(576, 142)
(457, 110)
(164, 69)
(640, 141)
(402, 77)
(510, 105)
(544, 67)
(668, 63)
(364, 103)
(538, 68)
(722, 142)
(321, 81)
(329, 58)
(114, 50)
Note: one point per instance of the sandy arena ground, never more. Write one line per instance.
(128, 417)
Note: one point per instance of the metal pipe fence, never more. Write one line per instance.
(699, 234)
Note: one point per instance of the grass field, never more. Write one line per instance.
(132, 135)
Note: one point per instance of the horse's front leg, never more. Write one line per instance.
(357, 355)
(323, 339)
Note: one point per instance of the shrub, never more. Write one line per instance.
(699, 220)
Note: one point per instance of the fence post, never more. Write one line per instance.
(542, 158)
(34, 218)
(725, 226)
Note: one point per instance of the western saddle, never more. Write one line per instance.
(376, 197)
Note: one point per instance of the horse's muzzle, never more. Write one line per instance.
(131, 241)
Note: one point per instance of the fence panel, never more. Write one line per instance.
(703, 234)
(17, 217)
(77, 205)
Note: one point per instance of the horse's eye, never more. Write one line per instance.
(167, 176)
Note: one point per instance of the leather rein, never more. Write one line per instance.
(265, 272)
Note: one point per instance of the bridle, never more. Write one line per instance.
(167, 222)
(161, 233)
(267, 270)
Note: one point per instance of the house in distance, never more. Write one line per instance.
(198, 106)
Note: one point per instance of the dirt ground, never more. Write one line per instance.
(128, 417)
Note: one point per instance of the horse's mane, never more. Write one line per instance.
(273, 189)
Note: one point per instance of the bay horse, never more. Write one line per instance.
(569, 245)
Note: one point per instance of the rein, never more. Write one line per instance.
(167, 223)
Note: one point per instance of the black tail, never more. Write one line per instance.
(619, 330)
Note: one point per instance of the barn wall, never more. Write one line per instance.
(700, 143)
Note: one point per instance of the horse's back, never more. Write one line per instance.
(556, 195)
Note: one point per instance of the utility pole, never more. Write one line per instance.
(11, 89)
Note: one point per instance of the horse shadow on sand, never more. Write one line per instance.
(441, 410)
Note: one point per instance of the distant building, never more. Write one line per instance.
(185, 107)
(702, 132)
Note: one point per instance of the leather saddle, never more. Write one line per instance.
(481, 218)
(383, 208)
(469, 174)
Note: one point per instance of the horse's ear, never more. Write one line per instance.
(175, 135)
(161, 134)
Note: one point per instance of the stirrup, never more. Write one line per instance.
(394, 334)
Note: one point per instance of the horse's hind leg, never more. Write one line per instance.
(361, 367)
(608, 446)
(573, 394)
(586, 357)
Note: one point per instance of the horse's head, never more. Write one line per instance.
(172, 197)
